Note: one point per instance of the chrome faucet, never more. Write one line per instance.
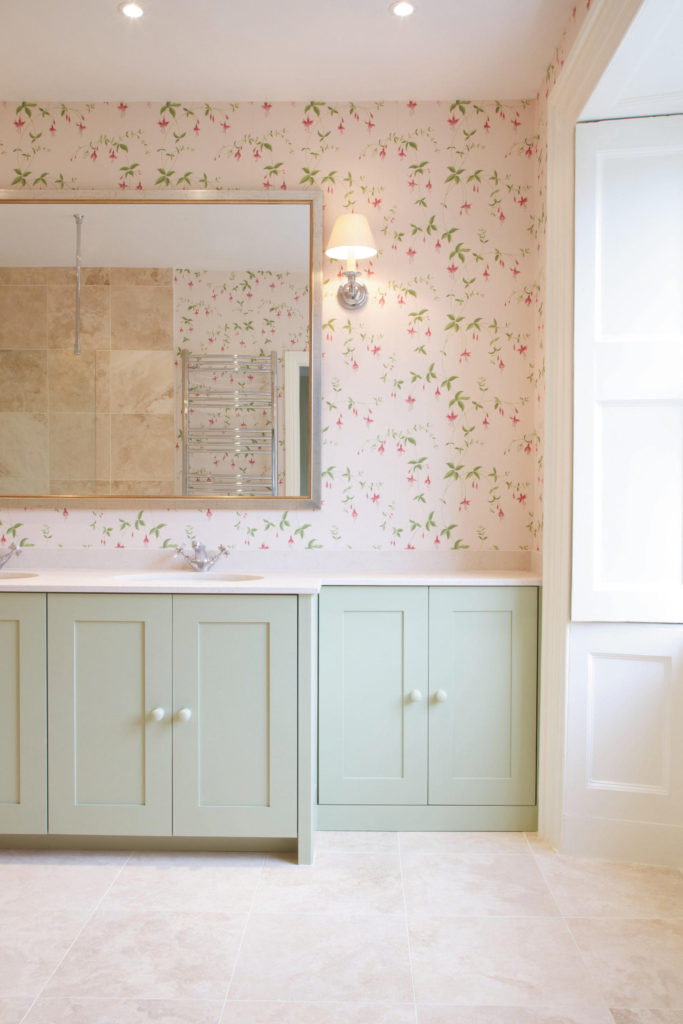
(11, 550)
(200, 559)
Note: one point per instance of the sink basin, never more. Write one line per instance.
(186, 576)
(17, 575)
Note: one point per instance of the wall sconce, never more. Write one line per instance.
(351, 240)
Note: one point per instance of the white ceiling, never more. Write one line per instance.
(645, 75)
(268, 50)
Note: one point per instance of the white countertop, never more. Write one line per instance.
(179, 581)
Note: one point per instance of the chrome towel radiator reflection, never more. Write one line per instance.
(230, 428)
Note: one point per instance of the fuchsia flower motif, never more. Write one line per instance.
(122, 107)
(266, 107)
(163, 123)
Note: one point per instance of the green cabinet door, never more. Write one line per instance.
(109, 715)
(482, 707)
(23, 736)
(235, 715)
(373, 695)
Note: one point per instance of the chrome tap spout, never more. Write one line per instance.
(200, 559)
(5, 556)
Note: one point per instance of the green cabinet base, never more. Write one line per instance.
(388, 818)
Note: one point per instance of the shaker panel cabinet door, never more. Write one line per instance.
(23, 769)
(373, 695)
(482, 708)
(109, 721)
(235, 715)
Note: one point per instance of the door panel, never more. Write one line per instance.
(235, 758)
(110, 761)
(628, 404)
(482, 662)
(23, 725)
(373, 654)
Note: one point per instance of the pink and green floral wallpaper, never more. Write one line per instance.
(432, 394)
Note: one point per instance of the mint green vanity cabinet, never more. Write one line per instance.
(235, 757)
(173, 715)
(427, 707)
(109, 714)
(373, 695)
(482, 663)
(23, 746)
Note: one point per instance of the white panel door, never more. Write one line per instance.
(628, 439)
(625, 717)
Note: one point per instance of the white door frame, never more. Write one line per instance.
(600, 35)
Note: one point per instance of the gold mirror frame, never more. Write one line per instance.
(310, 199)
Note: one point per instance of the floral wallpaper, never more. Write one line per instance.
(432, 394)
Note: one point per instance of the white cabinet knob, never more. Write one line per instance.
(184, 715)
(157, 714)
(440, 696)
(415, 696)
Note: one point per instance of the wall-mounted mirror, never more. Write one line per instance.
(165, 353)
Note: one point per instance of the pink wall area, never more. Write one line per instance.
(432, 394)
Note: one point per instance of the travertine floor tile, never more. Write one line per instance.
(498, 962)
(318, 1013)
(512, 1015)
(647, 1016)
(321, 957)
(471, 843)
(337, 883)
(634, 963)
(585, 888)
(51, 881)
(222, 883)
(32, 943)
(138, 954)
(356, 842)
(123, 1011)
(469, 885)
(13, 1010)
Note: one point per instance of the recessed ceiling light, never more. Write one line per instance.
(402, 8)
(131, 9)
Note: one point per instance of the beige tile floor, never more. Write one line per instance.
(385, 928)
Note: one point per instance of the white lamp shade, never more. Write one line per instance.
(351, 238)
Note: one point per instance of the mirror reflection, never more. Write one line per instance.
(194, 341)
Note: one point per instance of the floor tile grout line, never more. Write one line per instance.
(405, 918)
(78, 934)
(241, 942)
(583, 959)
(539, 865)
